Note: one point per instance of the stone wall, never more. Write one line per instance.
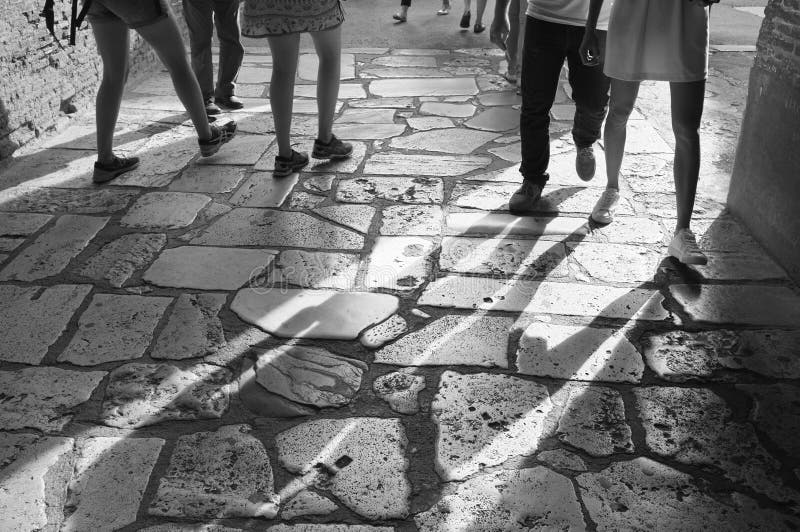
(765, 188)
(43, 78)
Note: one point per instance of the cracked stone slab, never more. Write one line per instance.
(399, 102)
(180, 527)
(693, 426)
(193, 329)
(114, 327)
(616, 263)
(525, 499)
(163, 156)
(138, 395)
(593, 419)
(34, 472)
(561, 459)
(510, 152)
(366, 116)
(316, 269)
(328, 528)
(481, 223)
(358, 217)
(307, 503)
(347, 91)
(219, 474)
(448, 110)
(242, 150)
(262, 227)
(475, 340)
(424, 123)
(740, 304)
(406, 220)
(642, 137)
(726, 235)
(414, 190)
(310, 375)
(208, 268)
(257, 399)
(398, 163)
(53, 250)
(52, 200)
(500, 98)
(263, 190)
(400, 389)
(569, 299)
(485, 419)
(384, 332)
(574, 352)
(643, 494)
(741, 267)
(629, 230)
(118, 260)
(423, 87)
(373, 484)
(450, 140)
(401, 263)
(110, 474)
(313, 313)
(680, 356)
(35, 317)
(369, 131)
(506, 257)
(208, 179)
(498, 119)
(404, 72)
(164, 210)
(44, 398)
(21, 223)
(319, 183)
(405, 61)
(775, 413)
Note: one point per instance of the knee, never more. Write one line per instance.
(115, 77)
(618, 113)
(686, 131)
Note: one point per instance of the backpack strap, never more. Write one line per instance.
(77, 18)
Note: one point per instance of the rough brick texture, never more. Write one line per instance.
(42, 79)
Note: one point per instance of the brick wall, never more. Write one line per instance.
(42, 80)
(765, 187)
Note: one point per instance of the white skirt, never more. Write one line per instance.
(664, 40)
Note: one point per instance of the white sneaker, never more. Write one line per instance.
(606, 206)
(684, 248)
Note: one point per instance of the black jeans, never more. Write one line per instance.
(546, 46)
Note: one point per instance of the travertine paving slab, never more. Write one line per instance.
(504, 257)
(114, 327)
(644, 138)
(450, 110)
(368, 131)
(310, 375)
(399, 220)
(740, 304)
(263, 190)
(484, 419)
(53, 200)
(373, 483)
(423, 123)
(525, 499)
(138, 395)
(34, 317)
(404, 72)
(500, 98)
(725, 234)
(313, 313)
(219, 474)
(510, 152)
(569, 299)
(574, 352)
(399, 102)
(44, 398)
(395, 163)
(243, 150)
(110, 477)
(262, 227)
(21, 223)
(450, 140)
(741, 267)
(307, 527)
(163, 156)
(52, 251)
(53, 167)
(259, 400)
(694, 426)
(9, 244)
(775, 413)
(645, 495)
(164, 210)
(316, 269)
(509, 174)
(561, 459)
(346, 91)
(475, 340)
(118, 260)
(495, 119)
(680, 356)
(366, 116)
(594, 420)
(208, 268)
(400, 263)
(616, 263)
(193, 329)
(34, 472)
(405, 61)
(182, 527)
(307, 503)
(481, 223)
(423, 87)
(319, 183)
(358, 217)
(400, 390)
(384, 332)
(400, 189)
(628, 230)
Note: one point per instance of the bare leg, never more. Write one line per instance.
(480, 10)
(512, 40)
(687, 110)
(328, 44)
(285, 51)
(623, 96)
(112, 43)
(166, 40)
(466, 6)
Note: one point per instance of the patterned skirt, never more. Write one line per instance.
(267, 18)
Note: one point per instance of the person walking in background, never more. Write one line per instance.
(513, 43)
(402, 15)
(282, 22)
(201, 16)
(465, 18)
(664, 40)
(111, 22)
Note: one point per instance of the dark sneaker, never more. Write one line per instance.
(104, 173)
(335, 149)
(229, 102)
(684, 248)
(219, 136)
(478, 28)
(584, 163)
(464, 23)
(285, 166)
(211, 107)
(523, 200)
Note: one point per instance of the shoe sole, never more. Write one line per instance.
(208, 151)
(293, 169)
(106, 177)
(333, 157)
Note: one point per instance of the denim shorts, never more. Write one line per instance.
(133, 13)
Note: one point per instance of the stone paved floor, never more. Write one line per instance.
(377, 344)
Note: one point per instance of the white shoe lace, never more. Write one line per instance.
(688, 242)
(607, 201)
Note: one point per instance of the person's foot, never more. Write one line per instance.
(105, 172)
(400, 17)
(465, 20)
(219, 136)
(511, 73)
(285, 166)
(524, 199)
(334, 149)
(211, 107)
(684, 248)
(584, 163)
(606, 206)
(478, 28)
(445, 9)
(229, 102)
